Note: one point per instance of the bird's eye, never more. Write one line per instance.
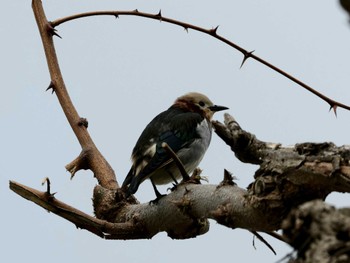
(201, 103)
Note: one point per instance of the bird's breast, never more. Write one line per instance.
(204, 130)
(190, 156)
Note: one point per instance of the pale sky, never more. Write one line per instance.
(121, 72)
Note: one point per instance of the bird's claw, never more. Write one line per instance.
(155, 201)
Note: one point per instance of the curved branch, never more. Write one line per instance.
(92, 158)
(212, 32)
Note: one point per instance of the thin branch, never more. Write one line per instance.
(57, 84)
(212, 32)
(82, 220)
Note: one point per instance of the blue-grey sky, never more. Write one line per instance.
(121, 72)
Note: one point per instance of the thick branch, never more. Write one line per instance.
(286, 178)
(212, 32)
(182, 214)
(93, 159)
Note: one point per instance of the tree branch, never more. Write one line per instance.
(319, 233)
(212, 32)
(287, 177)
(90, 157)
(96, 226)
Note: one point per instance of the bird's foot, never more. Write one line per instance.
(195, 177)
(171, 189)
(155, 201)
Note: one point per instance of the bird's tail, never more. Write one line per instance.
(131, 183)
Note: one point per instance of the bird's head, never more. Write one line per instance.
(197, 102)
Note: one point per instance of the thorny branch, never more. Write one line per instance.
(212, 32)
(90, 157)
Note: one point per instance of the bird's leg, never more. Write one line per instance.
(158, 194)
(175, 184)
(172, 177)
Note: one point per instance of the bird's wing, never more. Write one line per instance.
(153, 158)
(177, 129)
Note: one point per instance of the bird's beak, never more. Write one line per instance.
(216, 108)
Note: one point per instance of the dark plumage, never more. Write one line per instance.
(186, 128)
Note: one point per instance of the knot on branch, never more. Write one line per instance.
(223, 215)
(109, 203)
(83, 122)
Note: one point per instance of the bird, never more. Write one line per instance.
(186, 128)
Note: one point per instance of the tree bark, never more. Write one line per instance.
(319, 233)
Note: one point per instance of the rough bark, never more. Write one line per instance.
(319, 233)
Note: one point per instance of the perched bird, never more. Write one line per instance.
(186, 127)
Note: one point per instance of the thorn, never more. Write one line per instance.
(334, 108)
(48, 189)
(246, 56)
(51, 86)
(214, 30)
(227, 175)
(159, 15)
(46, 180)
(136, 11)
(83, 122)
(52, 31)
(116, 16)
(228, 179)
(186, 28)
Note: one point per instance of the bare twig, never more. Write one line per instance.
(212, 32)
